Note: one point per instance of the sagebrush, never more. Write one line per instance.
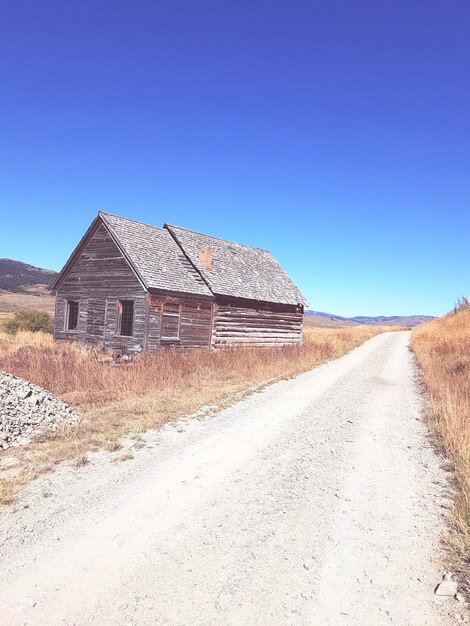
(29, 320)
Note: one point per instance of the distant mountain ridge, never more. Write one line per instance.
(392, 320)
(20, 277)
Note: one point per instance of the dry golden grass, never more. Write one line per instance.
(10, 302)
(11, 343)
(442, 348)
(8, 487)
(127, 400)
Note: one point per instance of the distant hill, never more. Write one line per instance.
(19, 277)
(393, 320)
(33, 285)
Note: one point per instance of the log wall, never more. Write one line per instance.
(239, 323)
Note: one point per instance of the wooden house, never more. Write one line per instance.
(134, 288)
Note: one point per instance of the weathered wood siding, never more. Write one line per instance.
(195, 324)
(256, 324)
(98, 279)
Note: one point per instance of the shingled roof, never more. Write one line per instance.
(155, 257)
(237, 270)
(184, 261)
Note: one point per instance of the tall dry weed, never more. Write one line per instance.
(442, 348)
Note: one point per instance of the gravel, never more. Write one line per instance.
(316, 501)
(27, 411)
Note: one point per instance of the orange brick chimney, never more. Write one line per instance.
(205, 256)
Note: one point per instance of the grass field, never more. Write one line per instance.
(127, 400)
(10, 302)
(442, 348)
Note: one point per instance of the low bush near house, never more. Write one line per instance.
(29, 320)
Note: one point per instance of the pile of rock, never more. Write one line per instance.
(26, 411)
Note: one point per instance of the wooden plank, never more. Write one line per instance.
(194, 323)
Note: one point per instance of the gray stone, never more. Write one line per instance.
(26, 410)
(447, 587)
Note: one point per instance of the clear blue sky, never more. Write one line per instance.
(334, 133)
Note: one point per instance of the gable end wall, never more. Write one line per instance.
(98, 279)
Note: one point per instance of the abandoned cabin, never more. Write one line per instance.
(130, 287)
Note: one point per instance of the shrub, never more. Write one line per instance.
(463, 304)
(29, 320)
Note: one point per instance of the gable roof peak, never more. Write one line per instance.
(150, 251)
(105, 214)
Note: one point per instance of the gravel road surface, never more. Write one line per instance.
(316, 501)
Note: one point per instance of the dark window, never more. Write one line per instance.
(126, 317)
(171, 319)
(71, 319)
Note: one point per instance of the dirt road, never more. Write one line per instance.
(316, 501)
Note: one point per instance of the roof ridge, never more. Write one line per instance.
(167, 226)
(129, 219)
(198, 232)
